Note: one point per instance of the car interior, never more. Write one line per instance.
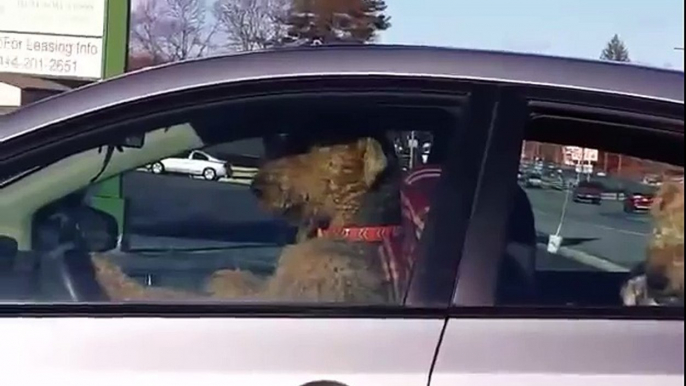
(44, 243)
(35, 259)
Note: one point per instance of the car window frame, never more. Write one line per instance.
(200, 156)
(79, 128)
(90, 128)
(469, 300)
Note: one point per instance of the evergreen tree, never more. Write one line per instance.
(615, 51)
(332, 21)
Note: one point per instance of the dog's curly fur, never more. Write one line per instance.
(345, 183)
(348, 182)
(666, 251)
(660, 279)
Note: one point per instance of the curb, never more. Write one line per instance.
(587, 259)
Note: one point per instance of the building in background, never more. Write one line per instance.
(609, 163)
(18, 90)
(48, 47)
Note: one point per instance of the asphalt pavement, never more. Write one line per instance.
(605, 232)
(182, 225)
(181, 229)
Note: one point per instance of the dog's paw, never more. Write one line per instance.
(120, 287)
(635, 292)
(233, 284)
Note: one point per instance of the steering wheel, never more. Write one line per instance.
(64, 235)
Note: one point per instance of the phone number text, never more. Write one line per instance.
(38, 65)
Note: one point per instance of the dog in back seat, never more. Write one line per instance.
(660, 279)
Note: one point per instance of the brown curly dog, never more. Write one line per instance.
(660, 280)
(343, 195)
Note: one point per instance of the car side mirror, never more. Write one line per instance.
(99, 231)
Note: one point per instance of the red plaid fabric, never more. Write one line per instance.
(399, 251)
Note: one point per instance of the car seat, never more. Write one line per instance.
(517, 273)
(516, 276)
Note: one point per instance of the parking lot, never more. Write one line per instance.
(605, 232)
(223, 225)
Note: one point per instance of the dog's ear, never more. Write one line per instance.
(375, 161)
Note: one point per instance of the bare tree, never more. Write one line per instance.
(251, 24)
(170, 30)
(145, 33)
(188, 34)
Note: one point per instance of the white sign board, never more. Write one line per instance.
(62, 56)
(591, 155)
(56, 17)
(584, 169)
(575, 153)
(62, 38)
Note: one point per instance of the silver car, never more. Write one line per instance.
(481, 303)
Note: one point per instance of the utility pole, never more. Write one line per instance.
(413, 143)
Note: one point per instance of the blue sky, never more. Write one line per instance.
(577, 28)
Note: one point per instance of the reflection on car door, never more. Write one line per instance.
(537, 352)
(221, 351)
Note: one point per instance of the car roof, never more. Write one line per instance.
(391, 60)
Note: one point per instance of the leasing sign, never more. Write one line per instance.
(62, 38)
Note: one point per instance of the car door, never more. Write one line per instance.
(176, 164)
(572, 327)
(176, 234)
(196, 163)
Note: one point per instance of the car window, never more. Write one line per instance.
(306, 214)
(199, 156)
(607, 214)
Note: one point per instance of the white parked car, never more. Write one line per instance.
(197, 163)
(534, 180)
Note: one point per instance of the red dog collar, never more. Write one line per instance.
(365, 234)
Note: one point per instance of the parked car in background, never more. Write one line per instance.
(533, 180)
(589, 192)
(554, 179)
(638, 202)
(197, 163)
